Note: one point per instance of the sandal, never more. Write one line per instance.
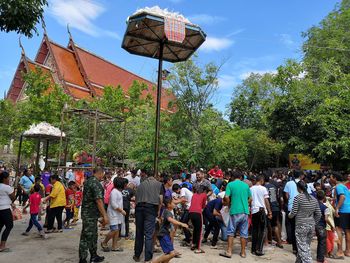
(119, 249)
(225, 255)
(243, 256)
(105, 248)
(337, 257)
(200, 251)
(5, 250)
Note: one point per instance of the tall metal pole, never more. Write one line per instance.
(159, 96)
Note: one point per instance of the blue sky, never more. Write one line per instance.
(249, 35)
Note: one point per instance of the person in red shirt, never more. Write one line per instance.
(217, 174)
(34, 204)
(198, 202)
(70, 196)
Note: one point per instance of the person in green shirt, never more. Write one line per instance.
(238, 196)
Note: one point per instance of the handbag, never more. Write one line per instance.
(16, 214)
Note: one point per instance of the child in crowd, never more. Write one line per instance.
(34, 204)
(199, 200)
(128, 194)
(78, 197)
(330, 228)
(115, 214)
(164, 232)
(70, 194)
(321, 228)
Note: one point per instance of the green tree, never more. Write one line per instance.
(250, 99)
(21, 16)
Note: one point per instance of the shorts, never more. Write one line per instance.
(239, 221)
(115, 227)
(276, 217)
(343, 221)
(166, 244)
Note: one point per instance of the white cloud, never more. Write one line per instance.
(236, 32)
(80, 14)
(287, 40)
(246, 74)
(228, 81)
(205, 19)
(216, 44)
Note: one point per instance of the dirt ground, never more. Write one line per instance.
(63, 247)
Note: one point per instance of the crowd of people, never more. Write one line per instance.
(266, 208)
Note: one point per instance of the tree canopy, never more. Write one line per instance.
(21, 16)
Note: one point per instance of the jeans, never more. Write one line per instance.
(212, 225)
(6, 219)
(34, 221)
(238, 221)
(258, 231)
(223, 229)
(145, 216)
(321, 242)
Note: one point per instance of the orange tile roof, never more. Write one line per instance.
(79, 93)
(67, 65)
(104, 73)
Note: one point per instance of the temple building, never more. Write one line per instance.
(81, 74)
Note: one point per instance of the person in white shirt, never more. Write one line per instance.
(133, 178)
(185, 199)
(7, 196)
(260, 207)
(116, 215)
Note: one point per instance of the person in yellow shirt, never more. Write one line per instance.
(57, 203)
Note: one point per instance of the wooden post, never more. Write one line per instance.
(19, 155)
(36, 168)
(65, 156)
(94, 142)
(47, 153)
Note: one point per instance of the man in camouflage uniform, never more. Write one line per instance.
(92, 208)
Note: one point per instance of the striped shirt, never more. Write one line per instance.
(305, 210)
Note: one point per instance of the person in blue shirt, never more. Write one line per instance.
(26, 182)
(342, 213)
(290, 192)
(186, 181)
(216, 190)
(211, 212)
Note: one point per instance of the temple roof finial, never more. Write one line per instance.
(69, 33)
(21, 46)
